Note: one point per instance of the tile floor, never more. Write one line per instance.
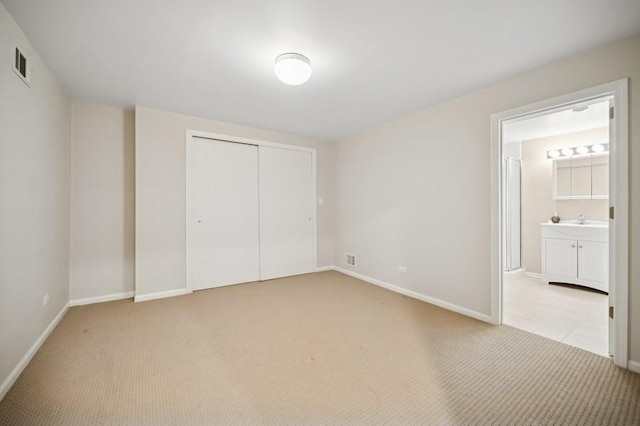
(568, 314)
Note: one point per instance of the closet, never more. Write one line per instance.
(250, 212)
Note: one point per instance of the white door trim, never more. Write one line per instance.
(618, 197)
(190, 134)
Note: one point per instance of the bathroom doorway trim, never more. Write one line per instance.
(618, 198)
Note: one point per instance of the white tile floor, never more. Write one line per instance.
(568, 314)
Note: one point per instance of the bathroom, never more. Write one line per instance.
(555, 274)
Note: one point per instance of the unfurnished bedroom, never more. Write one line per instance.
(320, 212)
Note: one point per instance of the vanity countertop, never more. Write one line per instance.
(575, 223)
(592, 230)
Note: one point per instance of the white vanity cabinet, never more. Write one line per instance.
(576, 254)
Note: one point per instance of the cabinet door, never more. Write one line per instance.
(600, 177)
(581, 178)
(561, 257)
(562, 179)
(593, 261)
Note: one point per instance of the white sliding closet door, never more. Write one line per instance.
(223, 223)
(286, 212)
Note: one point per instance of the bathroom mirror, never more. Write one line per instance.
(581, 178)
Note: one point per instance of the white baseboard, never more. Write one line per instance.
(634, 366)
(13, 376)
(161, 295)
(410, 293)
(533, 275)
(325, 268)
(100, 299)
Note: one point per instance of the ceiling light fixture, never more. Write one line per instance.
(584, 150)
(293, 69)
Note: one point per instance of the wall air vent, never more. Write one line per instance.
(350, 259)
(21, 67)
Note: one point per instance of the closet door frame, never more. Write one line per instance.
(190, 214)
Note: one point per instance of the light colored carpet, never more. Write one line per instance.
(316, 349)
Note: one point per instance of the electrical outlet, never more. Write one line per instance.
(402, 269)
(45, 300)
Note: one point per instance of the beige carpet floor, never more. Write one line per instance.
(316, 349)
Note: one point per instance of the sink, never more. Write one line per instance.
(588, 223)
(573, 229)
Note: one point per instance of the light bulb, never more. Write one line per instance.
(597, 148)
(553, 153)
(293, 69)
(568, 152)
(582, 150)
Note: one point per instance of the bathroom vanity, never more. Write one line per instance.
(576, 253)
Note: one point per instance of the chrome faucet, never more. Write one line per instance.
(582, 220)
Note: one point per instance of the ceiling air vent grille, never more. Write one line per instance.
(21, 67)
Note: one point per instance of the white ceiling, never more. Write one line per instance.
(373, 60)
(557, 123)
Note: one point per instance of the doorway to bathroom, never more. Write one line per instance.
(560, 260)
(555, 280)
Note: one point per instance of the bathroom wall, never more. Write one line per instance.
(538, 204)
(513, 150)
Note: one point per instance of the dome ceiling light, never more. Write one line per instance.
(293, 69)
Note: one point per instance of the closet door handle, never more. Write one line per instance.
(573, 246)
(579, 246)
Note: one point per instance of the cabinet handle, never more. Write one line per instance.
(579, 246)
(573, 246)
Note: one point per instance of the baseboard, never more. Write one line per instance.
(161, 295)
(533, 275)
(325, 268)
(13, 376)
(634, 366)
(413, 294)
(518, 271)
(100, 299)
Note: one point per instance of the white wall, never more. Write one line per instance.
(102, 201)
(513, 150)
(416, 192)
(34, 193)
(160, 193)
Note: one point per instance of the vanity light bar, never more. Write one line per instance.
(597, 148)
